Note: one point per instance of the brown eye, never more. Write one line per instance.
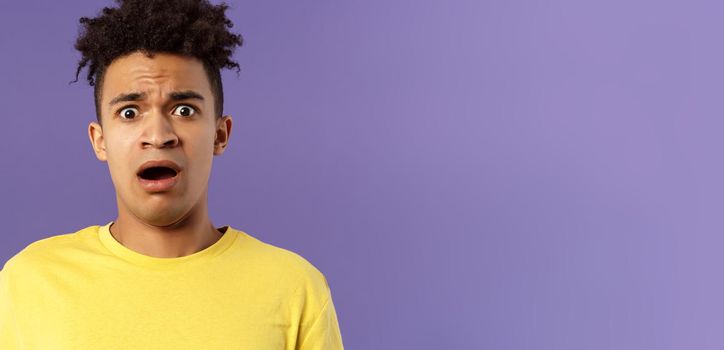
(128, 113)
(185, 110)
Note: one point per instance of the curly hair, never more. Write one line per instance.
(186, 27)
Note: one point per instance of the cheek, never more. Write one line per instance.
(118, 152)
(202, 156)
(198, 141)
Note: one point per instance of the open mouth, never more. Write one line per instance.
(157, 173)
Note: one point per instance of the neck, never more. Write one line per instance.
(190, 234)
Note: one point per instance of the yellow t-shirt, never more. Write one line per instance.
(85, 290)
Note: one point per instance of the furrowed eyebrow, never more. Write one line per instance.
(174, 96)
(133, 96)
(185, 95)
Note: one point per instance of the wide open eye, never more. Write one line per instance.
(128, 113)
(185, 110)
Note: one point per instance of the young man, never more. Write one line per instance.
(161, 276)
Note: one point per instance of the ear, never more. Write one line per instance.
(223, 131)
(95, 133)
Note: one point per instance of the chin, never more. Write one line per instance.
(161, 220)
(161, 215)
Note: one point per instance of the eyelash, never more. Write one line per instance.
(195, 110)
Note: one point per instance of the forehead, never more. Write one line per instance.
(163, 73)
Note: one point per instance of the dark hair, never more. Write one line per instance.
(185, 27)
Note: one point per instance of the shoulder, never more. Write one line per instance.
(44, 250)
(286, 263)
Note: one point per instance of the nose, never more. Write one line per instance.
(158, 131)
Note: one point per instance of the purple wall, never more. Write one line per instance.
(467, 174)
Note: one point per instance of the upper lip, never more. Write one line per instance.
(159, 163)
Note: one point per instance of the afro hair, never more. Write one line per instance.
(186, 27)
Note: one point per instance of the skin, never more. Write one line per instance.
(167, 224)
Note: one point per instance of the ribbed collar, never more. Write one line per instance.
(206, 254)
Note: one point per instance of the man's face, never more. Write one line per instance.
(150, 123)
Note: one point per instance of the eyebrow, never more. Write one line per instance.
(174, 96)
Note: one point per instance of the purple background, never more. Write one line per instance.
(467, 174)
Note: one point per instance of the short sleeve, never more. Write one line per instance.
(323, 333)
(8, 332)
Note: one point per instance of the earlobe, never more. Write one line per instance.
(219, 144)
(223, 131)
(95, 134)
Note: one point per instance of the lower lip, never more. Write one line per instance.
(159, 185)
